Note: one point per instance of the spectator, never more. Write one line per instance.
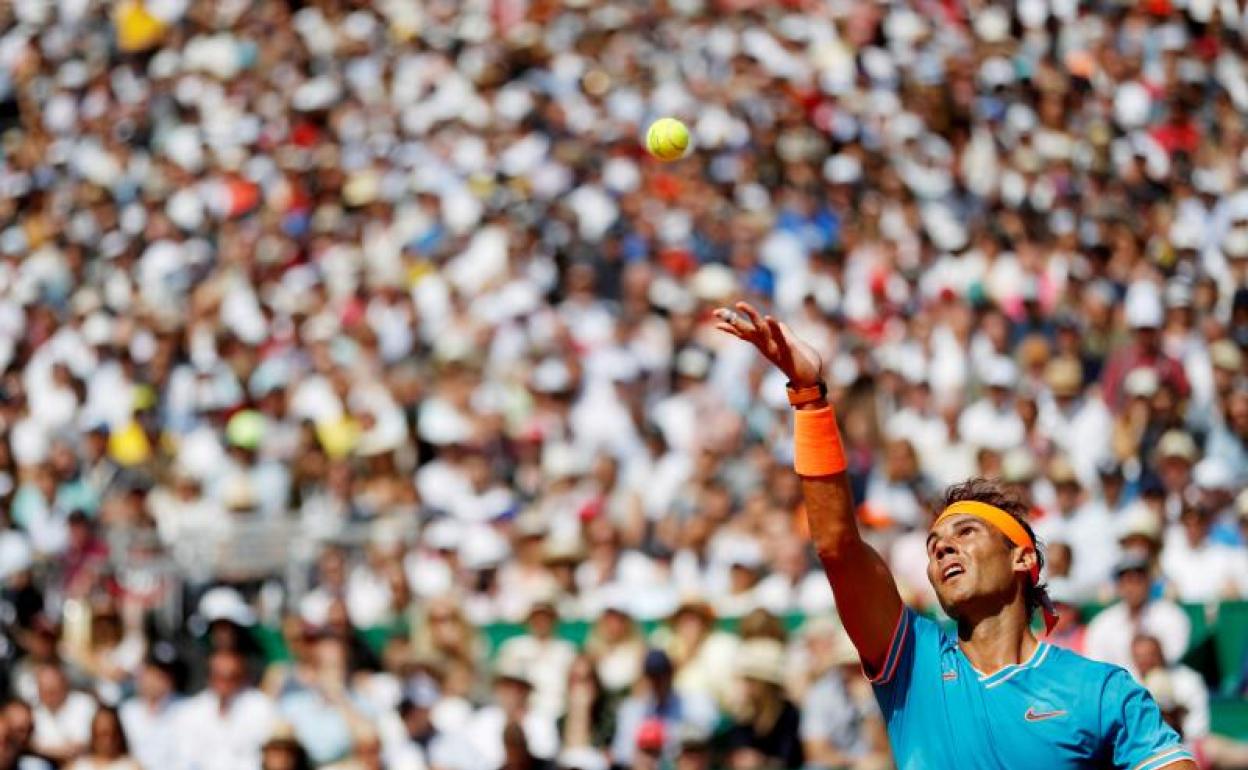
(1211, 751)
(62, 715)
(542, 653)
(1085, 526)
(1198, 568)
(840, 723)
(17, 727)
(109, 653)
(225, 725)
(510, 710)
(1143, 310)
(150, 716)
(695, 751)
(657, 713)
(1187, 688)
(766, 731)
(107, 748)
(615, 645)
(325, 713)
(1111, 632)
(1070, 631)
(281, 751)
(701, 653)
(423, 743)
(590, 717)
(366, 754)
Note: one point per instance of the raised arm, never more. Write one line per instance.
(866, 594)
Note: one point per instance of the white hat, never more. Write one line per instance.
(1018, 466)
(842, 169)
(1143, 307)
(746, 553)
(693, 362)
(1131, 105)
(513, 669)
(1177, 443)
(1235, 243)
(1000, 372)
(482, 549)
(1141, 382)
(1185, 233)
(551, 376)
(442, 425)
(563, 461)
(1139, 520)
(444, 535)
(1213, 473)
(761, 659)
(992, 24)
(225, 603)
(714, 282)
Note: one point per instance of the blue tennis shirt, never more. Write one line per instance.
(1057, 711)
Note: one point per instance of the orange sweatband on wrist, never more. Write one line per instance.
(817, 449)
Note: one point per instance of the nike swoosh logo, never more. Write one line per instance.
(1039, 716)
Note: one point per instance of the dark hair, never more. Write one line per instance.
(993, 493)
(108, 712)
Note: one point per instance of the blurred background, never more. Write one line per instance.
(360, 405)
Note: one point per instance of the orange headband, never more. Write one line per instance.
(1007, 524)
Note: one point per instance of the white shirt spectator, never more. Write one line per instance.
(150, 732)
(485, 730)
(1110, 633)
(1081, 432)
(210, 737)
(1092, 535)
(547, 661)
(1191, 693)
(983, 424)
(1207, 572)
(61, 728)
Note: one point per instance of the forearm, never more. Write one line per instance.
(866, 594)
(830, 516)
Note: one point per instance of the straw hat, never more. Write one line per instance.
(762, 660)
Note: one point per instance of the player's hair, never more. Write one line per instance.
(993, 493)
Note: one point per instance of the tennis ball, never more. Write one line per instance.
(667, 139)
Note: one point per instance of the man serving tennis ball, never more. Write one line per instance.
(992, 696)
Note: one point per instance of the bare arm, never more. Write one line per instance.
(866, 594)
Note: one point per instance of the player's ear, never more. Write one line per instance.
(1024, 559)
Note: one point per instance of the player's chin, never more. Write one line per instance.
(953, 594)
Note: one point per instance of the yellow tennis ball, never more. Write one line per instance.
(667, 139)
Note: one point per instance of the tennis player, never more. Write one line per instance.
(992, 696)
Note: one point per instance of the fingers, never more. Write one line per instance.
(752, 314)
(723, 326)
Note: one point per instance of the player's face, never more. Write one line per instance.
(969, 563)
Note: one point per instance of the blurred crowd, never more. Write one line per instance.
(337, 315)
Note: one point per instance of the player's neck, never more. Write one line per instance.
(995, 641)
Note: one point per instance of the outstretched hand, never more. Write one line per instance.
(795, 358)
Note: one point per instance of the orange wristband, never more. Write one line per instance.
(817, 449)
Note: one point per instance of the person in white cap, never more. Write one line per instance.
(767, 731)
(992, 420)
(543, 654)
(1144, 318)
